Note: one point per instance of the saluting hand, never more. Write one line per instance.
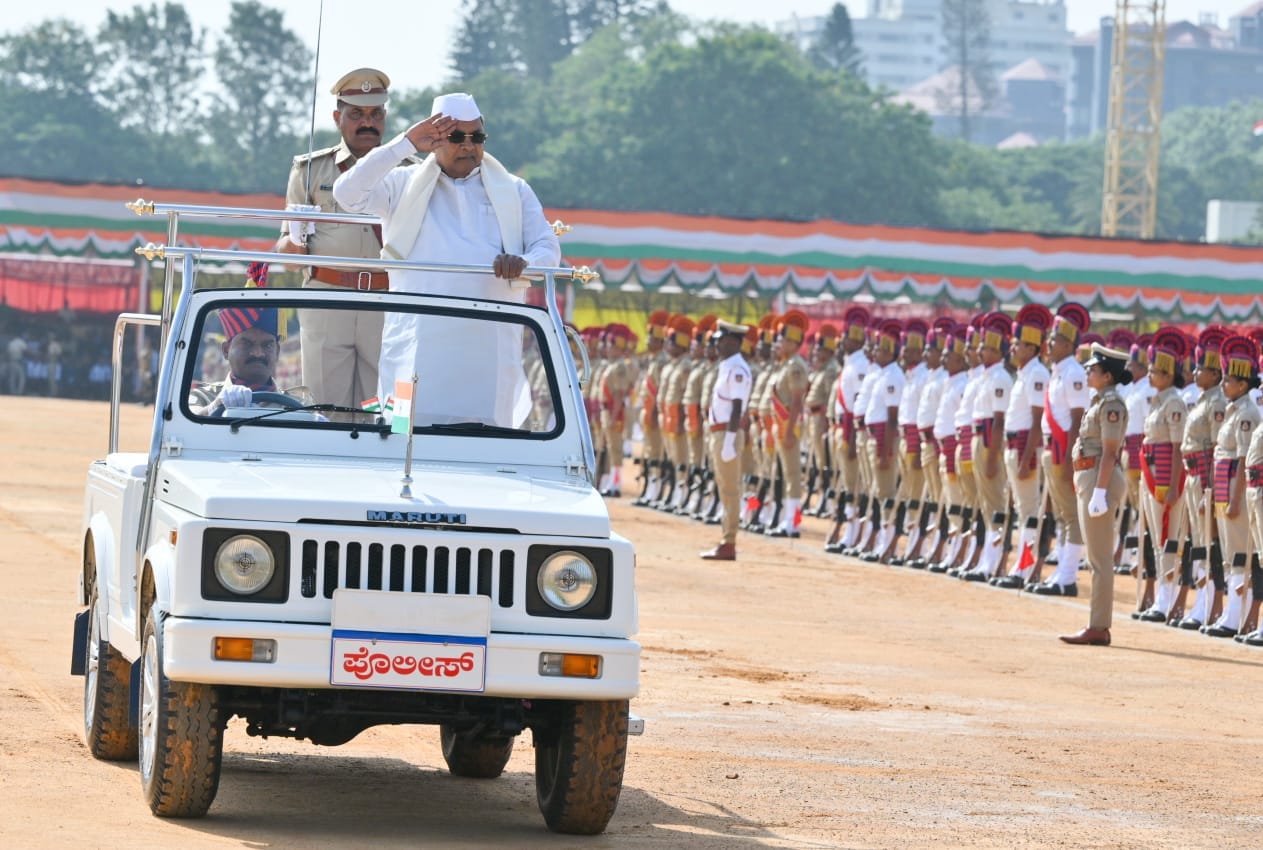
(429, 134)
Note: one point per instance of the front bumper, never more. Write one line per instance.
(303, 655)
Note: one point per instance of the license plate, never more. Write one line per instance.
(409, 641)
(408, 662)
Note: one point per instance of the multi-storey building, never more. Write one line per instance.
(902, 44)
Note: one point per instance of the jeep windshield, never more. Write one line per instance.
(270, 362)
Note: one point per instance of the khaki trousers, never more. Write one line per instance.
(613, 429)
(1025, 491)
(1061, 493)
(727, 482)
(1099, 537)
(790, 453)
(930, 469)
(992, 496)
(1176, 523)
(912, 482)
(340, 352)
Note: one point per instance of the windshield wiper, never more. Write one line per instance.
(315, 408)
(474, 428)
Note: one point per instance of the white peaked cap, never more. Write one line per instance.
(458, 105)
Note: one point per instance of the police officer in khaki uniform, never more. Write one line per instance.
(819, 398)
(1162, 471)
(788, 391)
(1197, 451)
(340, 350)
(1100, 484)
(648, 387)
(724, 435)
(616, 385)
(671, 409)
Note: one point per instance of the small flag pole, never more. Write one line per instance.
(405, 492)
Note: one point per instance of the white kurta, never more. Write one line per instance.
(468, 369)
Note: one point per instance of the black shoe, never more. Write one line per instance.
(974, 575)
(1008, 582)
(1254, 638)
(834, 548)
(897, 561)
(940, 567)
(870, 557)
(1218, 631)
(1191, 624)
(713, 520)
(1051, 588)
(755, 528)
(1153, 615)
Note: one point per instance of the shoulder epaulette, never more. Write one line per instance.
(303, 157)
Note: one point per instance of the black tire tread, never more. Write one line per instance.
(474, 757)
(590, 753)
(111, 735)
(189, 748)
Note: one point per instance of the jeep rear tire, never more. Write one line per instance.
(474, 756)
(181, 735)
(108, 727)
(579, 763)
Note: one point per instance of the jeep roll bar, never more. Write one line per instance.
(175, 311)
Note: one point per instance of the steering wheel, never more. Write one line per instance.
(264, 397)
(279, 399)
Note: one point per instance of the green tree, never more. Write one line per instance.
(156, 68)
(737, 123)
(483, 40)
(835, 48)
(260, 118)
(967, 33)
(57, 124)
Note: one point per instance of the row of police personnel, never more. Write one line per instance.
(982, 450)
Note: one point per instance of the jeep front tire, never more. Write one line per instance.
(181, 735)
(579, 759)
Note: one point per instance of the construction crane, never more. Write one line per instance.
(1132, 143)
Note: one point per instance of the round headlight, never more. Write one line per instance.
(567, 581)
(244, 564)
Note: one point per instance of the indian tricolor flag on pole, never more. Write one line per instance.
(1258, 128)
(402, 421)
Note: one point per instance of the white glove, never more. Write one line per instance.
(729, 451)
(1097, 506)
(234, 395)
(300, 230)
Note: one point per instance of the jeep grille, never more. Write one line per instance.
(331, 564)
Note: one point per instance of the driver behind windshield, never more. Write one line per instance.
(251, 347)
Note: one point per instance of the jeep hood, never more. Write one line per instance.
(533, 501)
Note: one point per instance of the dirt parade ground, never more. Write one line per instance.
(792, 699)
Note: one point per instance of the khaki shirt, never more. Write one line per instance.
(1105, 419)
(693, 386)
(675, 380)
(820, 389)
(1241, 420)
(331, 239)
(1167, 418)
(1204, 421)
(791, 381)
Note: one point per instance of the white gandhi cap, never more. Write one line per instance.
(458, 105)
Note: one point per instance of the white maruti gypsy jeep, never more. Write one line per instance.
(317, 570)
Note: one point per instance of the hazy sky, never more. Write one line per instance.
(410, 40)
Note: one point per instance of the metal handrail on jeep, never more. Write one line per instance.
(178, 315)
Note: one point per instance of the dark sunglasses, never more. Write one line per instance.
(458, 137)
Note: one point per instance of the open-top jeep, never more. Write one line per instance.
(317, 570)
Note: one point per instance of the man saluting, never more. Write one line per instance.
(459, 206)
